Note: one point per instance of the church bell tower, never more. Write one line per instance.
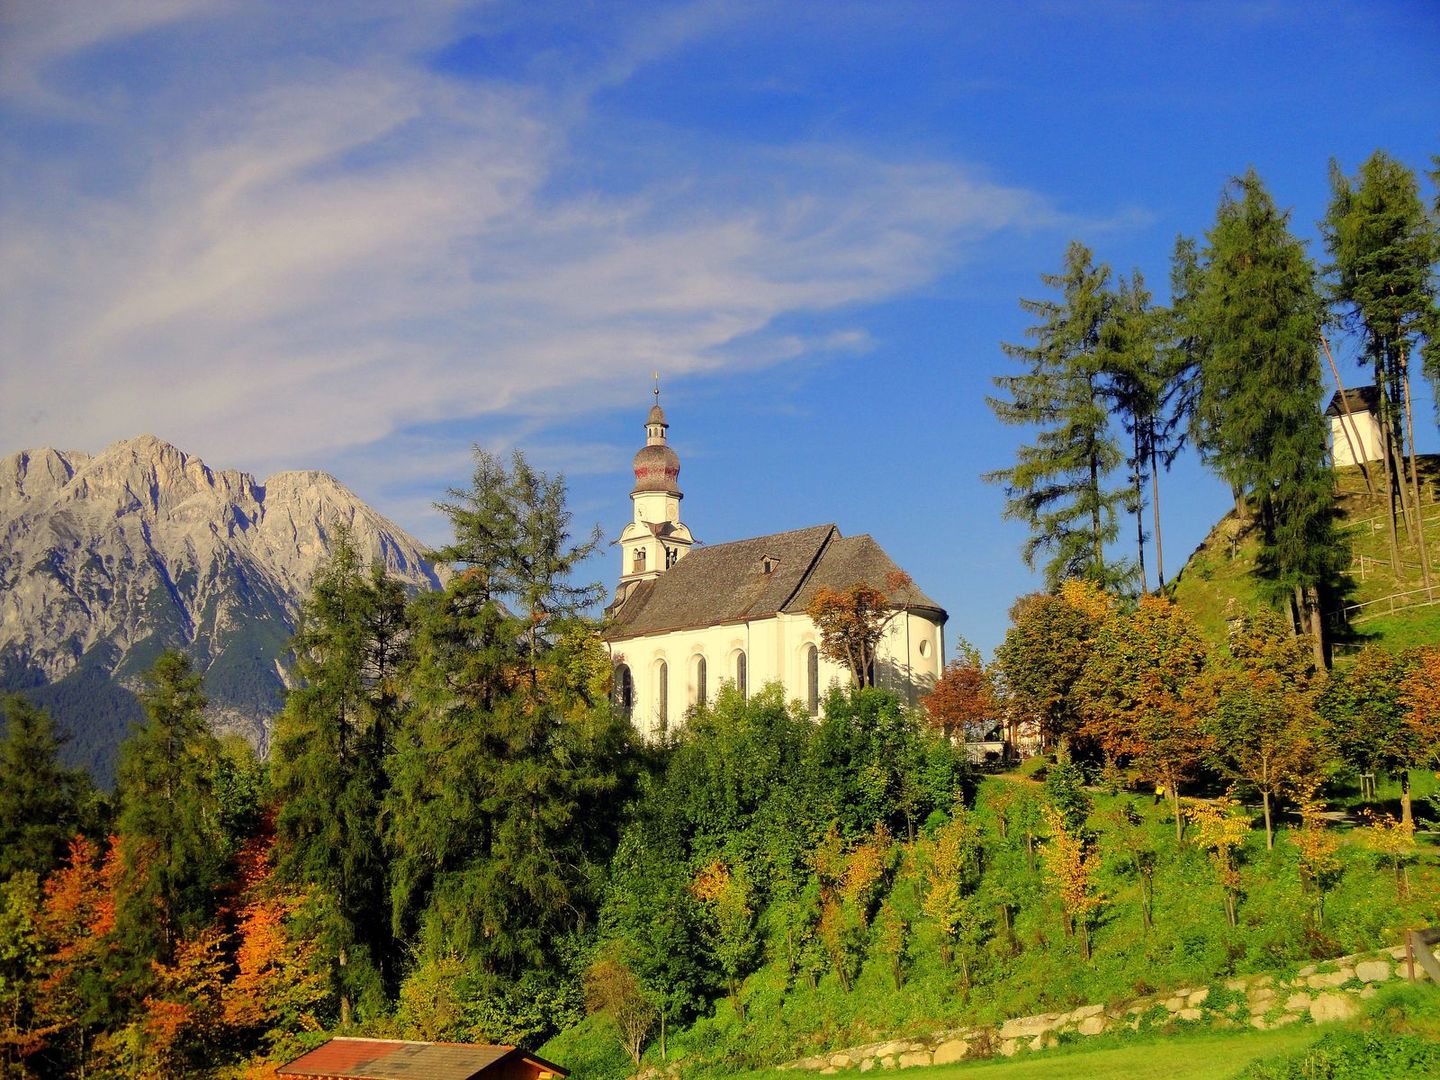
(656, 538)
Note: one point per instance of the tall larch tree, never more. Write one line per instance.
(329, 754)
(1260, 397)
(1137, 386)
(1060, 485)
(1383, 247)
(172, 848)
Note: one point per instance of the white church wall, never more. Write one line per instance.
(908, 662)
(1365, 434)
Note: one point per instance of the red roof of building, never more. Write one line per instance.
(392, 1059)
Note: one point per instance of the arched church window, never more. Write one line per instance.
(700, 690)
(639, 561)
(624, 690)
(662, 695)
(671, 554)
(740, 673)
(812, 679)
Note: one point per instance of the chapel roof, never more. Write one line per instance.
(1361, 399)
(727, 583)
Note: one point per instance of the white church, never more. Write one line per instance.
(688, 617)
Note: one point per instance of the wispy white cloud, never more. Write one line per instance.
(348, 243)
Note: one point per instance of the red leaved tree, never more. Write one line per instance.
(963, 703)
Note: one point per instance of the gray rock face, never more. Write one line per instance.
(105, 561)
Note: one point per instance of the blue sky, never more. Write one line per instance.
(363, 237)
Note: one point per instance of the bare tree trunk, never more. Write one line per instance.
(1410, 512)
(1140, 512)
(1155, 507)
(1406, 817)
(344, 995)
(1269, 827)
(1317, 627)
(1389, 494)
(1355, 454)
(1414, 476)
(1179, 819)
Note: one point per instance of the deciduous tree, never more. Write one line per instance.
(1366, 720)
(1144, 695)
(852, 621)
(1072, 865)
(962, 703)
(1040, 661)
(1264, 725)
(952, 877)
(1222, 829)
(613, 990)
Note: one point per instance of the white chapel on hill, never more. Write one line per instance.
(688, 617)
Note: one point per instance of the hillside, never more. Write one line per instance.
(107, 560)
(1382, 607)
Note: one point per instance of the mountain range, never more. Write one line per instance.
(107, 560)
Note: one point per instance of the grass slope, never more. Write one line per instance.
(1219, 577)
(1041, 970)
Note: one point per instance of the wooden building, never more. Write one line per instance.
(393, 1059)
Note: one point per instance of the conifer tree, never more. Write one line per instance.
(1383, 247)
(504, 772)
(171, 843)
(1259, 400)
(1137, 385)
(329, 754)
(1059, 486)
(39, 799)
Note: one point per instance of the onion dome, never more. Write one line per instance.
(657, 467)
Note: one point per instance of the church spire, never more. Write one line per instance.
(655, 537)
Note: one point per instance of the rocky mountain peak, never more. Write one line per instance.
(107, 560)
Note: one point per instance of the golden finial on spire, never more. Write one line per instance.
(657, 387)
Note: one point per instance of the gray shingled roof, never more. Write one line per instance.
(726, 583)
(1361, 399)
(849, 559)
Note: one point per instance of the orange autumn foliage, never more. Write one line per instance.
(278, 983)
(76, 919)
(963, 702)
(1420, 696)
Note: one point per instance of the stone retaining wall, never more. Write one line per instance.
(1322, 992)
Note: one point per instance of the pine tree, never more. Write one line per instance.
(1259, 399)
(330, 749)
(39, 799)
(171, 843)
(508, 760)
(1383, 247)
(1059, 485)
